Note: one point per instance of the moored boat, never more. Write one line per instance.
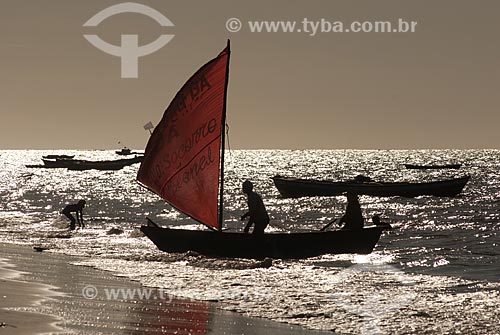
(79, 164)
(290, 187)
(124, 152)
(59, 163)
(105, 165)
(127, 152)
(433, 167)
(58, 156)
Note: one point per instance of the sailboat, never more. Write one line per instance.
(184, 164)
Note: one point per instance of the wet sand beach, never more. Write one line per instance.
(42, 292)
(17, 298)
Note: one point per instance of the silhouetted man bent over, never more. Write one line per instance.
(256, 210)
(78, 210)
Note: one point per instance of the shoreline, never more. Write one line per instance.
(51, 298)
(19, 301)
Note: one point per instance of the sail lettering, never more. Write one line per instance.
(198, 90)
(192, 173)
(172, 133)
(195, 169)
(180, 105)
(175, 158)
(195, 91)
(156, 171)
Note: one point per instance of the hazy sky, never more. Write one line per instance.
(435, 88)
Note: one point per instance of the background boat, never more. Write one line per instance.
(81, 164)
(105, 165)
(124, 152)
(58, 156)
(432, 167)
(127, 152)
(290, 187)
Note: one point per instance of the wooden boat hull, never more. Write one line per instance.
(59, 163)
(433, 167)
(58, 157)
(108, 165)
(294, 188)
(91, 165)
(273, 245)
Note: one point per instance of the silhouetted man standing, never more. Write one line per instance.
(256, 210)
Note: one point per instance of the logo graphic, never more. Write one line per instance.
(129, 51)
(376, 305)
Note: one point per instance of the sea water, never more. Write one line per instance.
(437, 271)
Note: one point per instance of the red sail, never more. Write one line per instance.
(182, 158)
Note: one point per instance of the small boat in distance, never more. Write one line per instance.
(290, 187)
(124, 151)
(430, 167)
(127, 152)
(191, 178)
(58, 157)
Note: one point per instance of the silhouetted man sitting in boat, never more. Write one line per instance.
(78, 210)
(256, 210)
(353, 217)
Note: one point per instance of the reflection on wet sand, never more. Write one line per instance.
(87, 307)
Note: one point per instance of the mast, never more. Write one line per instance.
(223, 142)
